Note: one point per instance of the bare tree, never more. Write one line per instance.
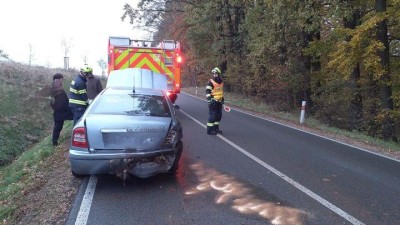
(66, 45)
(48, 63)
(3, 54)
(103, 65)
(31, 55)
(85, 59)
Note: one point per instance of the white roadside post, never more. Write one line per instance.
(303, 111)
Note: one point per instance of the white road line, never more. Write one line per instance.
(84, 210)
(308, 192)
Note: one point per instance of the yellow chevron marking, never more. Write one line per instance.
(121, 57)
(143, 62)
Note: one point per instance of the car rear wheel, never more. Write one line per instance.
(175, 165)
(77, 175)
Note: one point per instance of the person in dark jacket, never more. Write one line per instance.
(94, 87)
(215, 100)
(61, 110)
(78, 99)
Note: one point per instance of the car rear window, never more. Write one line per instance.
(132, 104)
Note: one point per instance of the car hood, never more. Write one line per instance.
(126, 132)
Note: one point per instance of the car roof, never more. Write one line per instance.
(138, 77)
(128, 90)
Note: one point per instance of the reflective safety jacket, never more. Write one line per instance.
(77, 92)
(214, 90)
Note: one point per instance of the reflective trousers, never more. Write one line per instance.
(215, 115)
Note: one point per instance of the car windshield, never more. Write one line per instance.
(132, 104)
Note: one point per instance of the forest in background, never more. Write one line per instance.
(340, 56)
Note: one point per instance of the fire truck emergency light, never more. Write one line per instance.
(179, 59)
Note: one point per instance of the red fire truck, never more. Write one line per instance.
(163, 57)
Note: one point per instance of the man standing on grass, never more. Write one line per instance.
(59, 104)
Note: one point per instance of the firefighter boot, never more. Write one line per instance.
(216, 128)
(211, 130)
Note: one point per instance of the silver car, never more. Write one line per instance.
(127, 131)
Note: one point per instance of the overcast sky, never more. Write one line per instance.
(43, 24)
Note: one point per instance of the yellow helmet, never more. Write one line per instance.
(216, 70)
(86, 69)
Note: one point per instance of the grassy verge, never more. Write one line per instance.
(25, 112)
(293, 119)
(19, 177)
(30, 188)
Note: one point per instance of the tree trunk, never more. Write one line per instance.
(309, 65)
(384, 81)
(223, 63)
(356, 107)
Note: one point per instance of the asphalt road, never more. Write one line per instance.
(257, 172)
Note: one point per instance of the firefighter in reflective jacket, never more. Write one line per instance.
(78, 99)
(215, 99)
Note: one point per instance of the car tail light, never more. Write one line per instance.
(170, 138)
(168, 93)
(177, 88)
(79, 138)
